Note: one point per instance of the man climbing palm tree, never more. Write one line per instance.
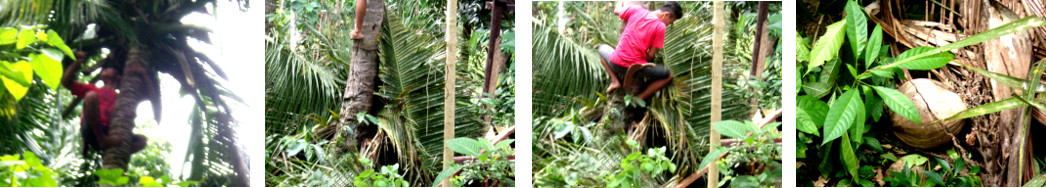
(98, 104)
(643, 36)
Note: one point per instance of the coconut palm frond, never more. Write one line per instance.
(412, 75)
(565, 71)
(297, 87)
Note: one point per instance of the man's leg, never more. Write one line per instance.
(92, 116)
(138, 143)
(663, 76)
(90, 142)
(604, 53)
(361, 12)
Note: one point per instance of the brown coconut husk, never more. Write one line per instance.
(935, 101)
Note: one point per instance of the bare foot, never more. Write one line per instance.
(613, 86)
(355, 34)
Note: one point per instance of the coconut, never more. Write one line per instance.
(935, 101)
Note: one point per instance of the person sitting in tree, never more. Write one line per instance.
(642, 37)
(97, 105)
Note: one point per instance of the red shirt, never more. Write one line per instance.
(106, 98)
(642, 32)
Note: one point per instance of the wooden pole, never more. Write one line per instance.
(717, 87)
(448, 101)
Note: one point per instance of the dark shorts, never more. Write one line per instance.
(656, 72)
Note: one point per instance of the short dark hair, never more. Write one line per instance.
(674, 8)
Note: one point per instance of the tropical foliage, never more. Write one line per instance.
(576, 143)
(37, 36)
(839, 113)
(308, 54)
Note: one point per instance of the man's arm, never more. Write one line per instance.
(69, 77)
(651, 52)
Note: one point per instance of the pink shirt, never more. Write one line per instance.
(106, 99)
(642, 32)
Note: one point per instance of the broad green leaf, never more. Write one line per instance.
(931, 58)
(798, 80)
(562, 130)
(48, 66)
(883, 73)
(818, 89)
(853, 71)
(804, 122)
(711, 157)
(485, 144)
(827, 46)
(871, 49)
(856, 27)
(41, 36)
(899, 103)
(846, 153)
(25, 38)
(934, 177)
(802, 49)
(873, 105)
(467, 146)
(912, 160)
(54, 40)
(8, 35)
(841, 115)
(858, 128)
(830, 71)
(810, 114)
(18, 83)
(147, 181)
(874, 143)
(504, 143)
(733, 128)
(446, 173)
(295, 146)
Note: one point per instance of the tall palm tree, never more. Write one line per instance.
(147, 38)
(363, 71)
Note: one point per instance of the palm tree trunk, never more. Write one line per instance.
(448, 101)
(132, 91)
(359, 87)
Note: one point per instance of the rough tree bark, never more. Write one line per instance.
(132, 91)
(359, 86)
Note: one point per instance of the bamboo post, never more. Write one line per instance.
(717, 87)
(448, 101)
